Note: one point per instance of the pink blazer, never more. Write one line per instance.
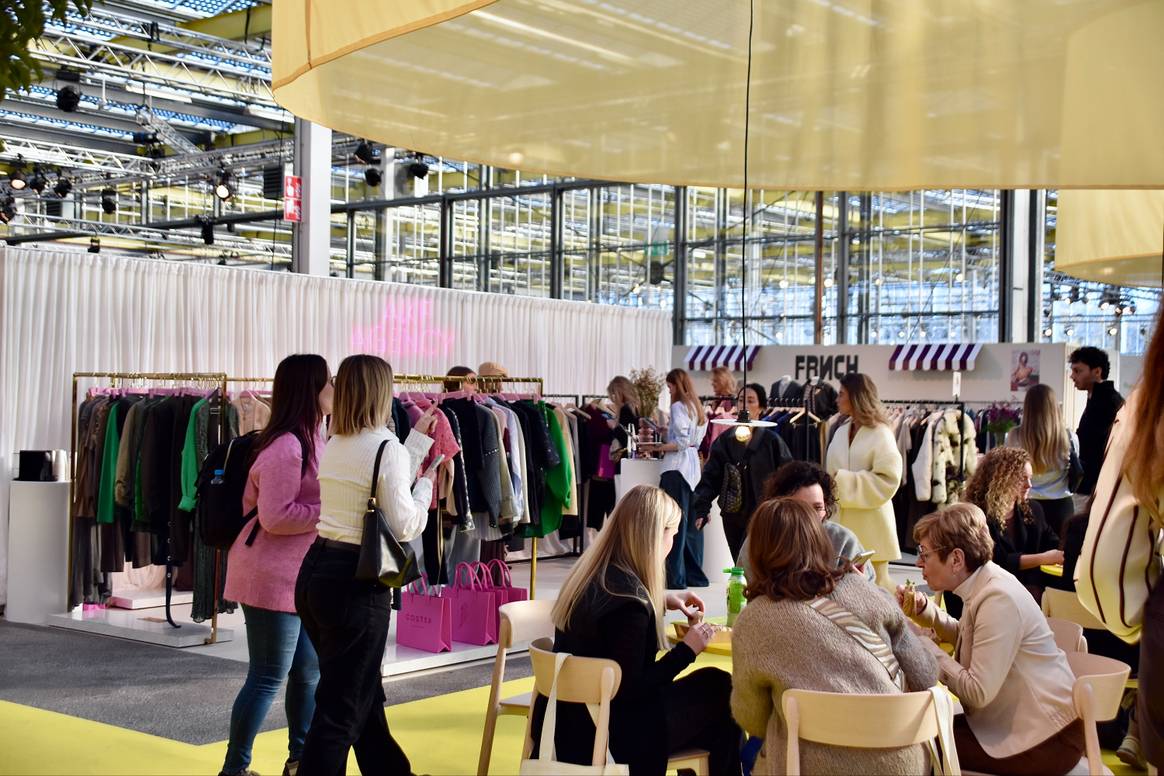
(263, 574)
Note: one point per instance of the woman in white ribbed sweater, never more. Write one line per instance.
(346, 619)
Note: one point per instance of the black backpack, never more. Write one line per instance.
(221, 483)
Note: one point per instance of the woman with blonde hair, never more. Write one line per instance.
(625, 401)
(1022, 539)
(865, 463)
(680, 476)
(1118, 576)
(724, 384)
(1049, 445)
(346, 618)
(797, 632)
(611, 606)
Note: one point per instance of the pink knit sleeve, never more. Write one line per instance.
(288, 498)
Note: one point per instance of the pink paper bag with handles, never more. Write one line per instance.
(425, 620)
(474, 607)
(498, 573)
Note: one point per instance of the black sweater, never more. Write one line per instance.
(1094, 427)
(618, 625)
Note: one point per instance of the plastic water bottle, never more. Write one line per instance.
(735, 594)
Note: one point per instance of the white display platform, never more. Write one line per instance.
(148, 599)
(146, 626)
(717, 555)
(639, 471)
(38, 550)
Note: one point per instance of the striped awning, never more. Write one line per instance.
(704, 358)
(935, 358)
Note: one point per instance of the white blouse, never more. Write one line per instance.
(687, 436)
(345, 483)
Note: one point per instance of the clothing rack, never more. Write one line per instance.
(490, 384)
(804, 403)
(219, 380)
(936, 405)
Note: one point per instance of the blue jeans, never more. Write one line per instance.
(685, 560)
(279, 649)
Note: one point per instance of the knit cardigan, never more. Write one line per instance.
(286, 493)
(778, 645)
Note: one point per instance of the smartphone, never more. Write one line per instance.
(860, 558)
(435, 463)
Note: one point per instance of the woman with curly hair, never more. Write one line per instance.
(1023, 540)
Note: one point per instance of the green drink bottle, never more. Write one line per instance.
(735, 594)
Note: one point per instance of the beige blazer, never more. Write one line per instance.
(1012, 680)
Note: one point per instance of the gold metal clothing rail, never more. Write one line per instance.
(219, 381)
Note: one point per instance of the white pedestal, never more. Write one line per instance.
(38, 550)
(717, 555)
(641, 471)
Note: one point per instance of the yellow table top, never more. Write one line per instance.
(720, 645)
(1055, 570)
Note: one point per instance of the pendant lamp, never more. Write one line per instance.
(743, 423)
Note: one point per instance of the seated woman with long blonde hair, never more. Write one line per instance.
(611, 606)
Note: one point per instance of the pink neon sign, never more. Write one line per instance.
(406, 330)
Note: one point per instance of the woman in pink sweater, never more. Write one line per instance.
(283, 486)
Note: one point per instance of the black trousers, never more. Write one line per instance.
(347, 621)
(1150, 697)
(698, 710)
(735, 528)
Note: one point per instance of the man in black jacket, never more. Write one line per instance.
(1089, 370)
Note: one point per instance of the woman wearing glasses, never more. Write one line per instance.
(1006, 665)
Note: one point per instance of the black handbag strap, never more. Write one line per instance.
(376, 470)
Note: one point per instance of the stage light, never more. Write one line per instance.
(68, 99)
(16, 178)
(372, 176)
(37, 182)
(62, 187)
(417, 169)
(7, 209)
(222, 186)
(208, 231)
(109, 201)
(94, 244)
(365, 152)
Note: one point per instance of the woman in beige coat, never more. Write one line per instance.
(865, 463)
(781, 641)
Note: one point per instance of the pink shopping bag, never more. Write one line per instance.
(426, 618)
(507, 592)
(474, 608)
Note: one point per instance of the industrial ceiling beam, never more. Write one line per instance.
(183, 75)
(54, 135)
(238, 25)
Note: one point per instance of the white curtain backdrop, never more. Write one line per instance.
(65, 311)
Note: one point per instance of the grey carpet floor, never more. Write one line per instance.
(160, 690)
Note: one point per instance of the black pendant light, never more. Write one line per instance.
(743, 423)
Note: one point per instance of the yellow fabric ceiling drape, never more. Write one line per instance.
(846, 94)
(1112, 237)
